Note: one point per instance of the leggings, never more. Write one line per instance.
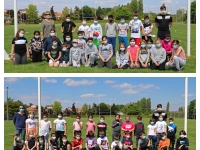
(20, 58)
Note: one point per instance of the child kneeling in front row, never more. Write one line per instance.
(103, 142)
(75, 54)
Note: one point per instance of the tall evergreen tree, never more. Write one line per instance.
(167, 108)
(140, 9)
(52, 13)
(73, 109)
(134, 6)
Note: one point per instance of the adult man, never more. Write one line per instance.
(68, 27)
(163, 22)
(159, 112)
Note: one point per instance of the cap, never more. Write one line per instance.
(75, 41)
(95, 34)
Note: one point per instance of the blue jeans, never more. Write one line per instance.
(112, 40)
(123, 40)
(153, 138)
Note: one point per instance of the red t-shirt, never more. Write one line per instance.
(128, 126)
(76, 142)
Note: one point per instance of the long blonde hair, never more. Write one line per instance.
(146, 49)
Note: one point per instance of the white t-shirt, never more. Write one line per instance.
(147, 29)
(86, 29)
(122, 29)
(135, 28)
(151, 129)
(103, 142)
(96, 28)
(114, 144)
(44, 127)
(31, 123)
(59, 124)
(160, 126)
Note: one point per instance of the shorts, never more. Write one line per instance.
(137, 41)
(50, 61)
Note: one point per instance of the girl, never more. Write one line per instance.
(122, 57)
(133, 51)
(90, 142)
(53, 142)
(32, 124)
(35, 47)
(41, 143)
(45, 128)
(54, 53)
(60, 127)
(75, 54)
(168, 46)
(151, 132)
(77, 125)
(18, 144)
(182, 143)
(19, 50)
(116, 125)
(178, 58)
(143, 55)
(31, 141)
(90, 125)
(158, 56)
(64, 60)
(105, 53)
(128, 126)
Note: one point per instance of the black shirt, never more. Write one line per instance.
(41, 146)
(157, 113)
(101, 127)
(65, 54)
(68, 27)
(64, 146)
(163, 22)
(54, 143)
(180, 141)
(54, 52)
(31, 143)
(20, 45)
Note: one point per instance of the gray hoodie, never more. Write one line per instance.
(158, 55)
(122, 59)
(91, 50)
(75, 54)
(117, 126)
(111, 29)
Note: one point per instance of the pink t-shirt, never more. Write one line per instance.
(181, 54)
(168, 46)
(128, 126)
(76, 126)
(90, 126)
(133, 51)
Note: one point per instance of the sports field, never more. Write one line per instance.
(178, 31)
(191, 131)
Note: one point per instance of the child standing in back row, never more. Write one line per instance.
(151, 132)
(101, 126)
(171, 132)
(32, 124)
(161, 127)
(139, 127)
(90, 125)
(77, 125)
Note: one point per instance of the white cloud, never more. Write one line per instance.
(11, 79)
(109, 81)
(48, 80)
(130, 91)
(189, 95)
(139, 86)
(147, 86)
(70, 82)
(124, 85)
(167, 1)
(92, 95)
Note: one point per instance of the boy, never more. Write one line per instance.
(91, 53)
(66, 145)
(164, 143)
(53, 142)
(135, 27)
(127, 142)
(81, 46)
(161, 127)
(111, 30)
(18, 143)
(147, 29)
(95, 40)
(96, 27)
(123, 30)
(75, 54)
(84, 27)
(77, 143)
(143, 142)
(116, 125)
(116, 144)
(171, 132)
(139, 127)
(64, 60)
(101, 126)
(182, 143)
(103, 142)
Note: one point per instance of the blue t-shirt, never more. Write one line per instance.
(60, 123)
(127, 142)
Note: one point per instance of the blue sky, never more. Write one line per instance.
(89, 90)
(43, 5)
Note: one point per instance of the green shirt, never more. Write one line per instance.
(97, 43)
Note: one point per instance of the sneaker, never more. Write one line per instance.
(181, 68)
(178, 70)
(92, 66)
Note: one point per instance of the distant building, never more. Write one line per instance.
(33, 108)
(6, 16)
(49, 109)
(58, 15)
(78, 110)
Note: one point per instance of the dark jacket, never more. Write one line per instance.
(157, 113)
(48, 43)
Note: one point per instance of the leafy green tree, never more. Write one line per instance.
(193, 13)
(123, 11)
(134, 6)
(87, 12)
(140, 9)
(56, 107)
(84, 109)
(192, 110)
(94, 109)
(133, 109)
(167, 108)
(32, 12)
(52, 13)
(104, 110)
(65, 11)
(76, 14)
(99, 13)
(114, 109)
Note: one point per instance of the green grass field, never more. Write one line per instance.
(178, 30)
(9, 129)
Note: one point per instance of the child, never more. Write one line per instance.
(75, 54)
(182, 143)
(164, 143)
(101, 126)
(66, 145)
(143, 142)
(91, 53)
(81, 46)
(95, 40)
(151, 132)
(90, 142)
(18, 143)
(96, 27)
(147, 29)
(36, 47)
(60, 127)
(158, 56)
(64, 60)
(105, 53)
(90, 125)
(19, 50)
(84, 27)
(103, 142)
(143, 55)
(127, 142)
(171, 132)
(139, 127)
(135, 27)
(167, 44)
(41, 143)
(116, 125)
(122, 57)
(54, 53)
(32, 124)
(123, 30)
(45, 127)
(149, 46)
(116, 144)
(77, 143)
(133, 50)
(53, 142)
(161, 127)
(31, 141)
(128, 126)
(77, 125)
